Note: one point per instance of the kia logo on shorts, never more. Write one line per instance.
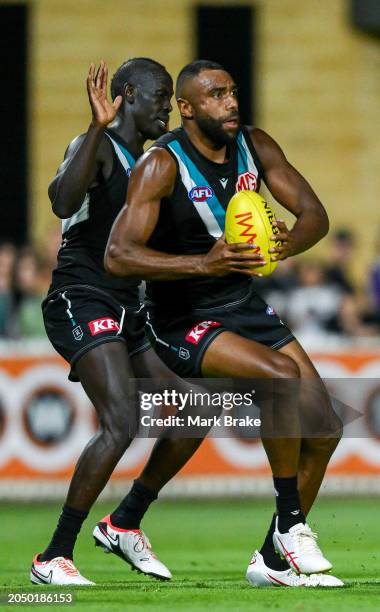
(196, 333)
(200, 194)
(103, 325)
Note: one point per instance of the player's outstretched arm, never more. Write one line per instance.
(291, 190)
(86, 154)
(127, 253)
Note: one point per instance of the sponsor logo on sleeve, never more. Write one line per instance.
(98, 326)
(196, 333)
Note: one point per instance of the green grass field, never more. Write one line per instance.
(207, 545)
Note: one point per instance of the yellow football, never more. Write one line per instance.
(249, 219)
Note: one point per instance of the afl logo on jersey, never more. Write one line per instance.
(246, 182)
(200, 194)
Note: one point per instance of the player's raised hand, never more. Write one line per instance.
(103, 111)
(225, 259)
(285, 249)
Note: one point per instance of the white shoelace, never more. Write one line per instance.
(307, 540)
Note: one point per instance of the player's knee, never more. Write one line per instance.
(324, 446)
(285, 367)
(334, 434)
(116, 439)
(333, 428)
(116, 426)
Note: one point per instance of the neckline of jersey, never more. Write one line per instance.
(119, 140)
(221, 167)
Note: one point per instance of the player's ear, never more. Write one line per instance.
(185, 108)
(129, 93)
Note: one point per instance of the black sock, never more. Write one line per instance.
(288, 503)
(63, 541)
(271, 558)
(129, 514)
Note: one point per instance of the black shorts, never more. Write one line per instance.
(181, 341)
(79, 317)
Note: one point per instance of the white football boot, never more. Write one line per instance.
(299, 548)
(260, 575)
(131, 545)
(59, 570)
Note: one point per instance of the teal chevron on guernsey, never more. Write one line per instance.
(210, 210)
(127, 157)
(245, 159)
(126, 160)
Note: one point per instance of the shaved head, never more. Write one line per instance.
(146, 88)
(189, 72)
(135, 72)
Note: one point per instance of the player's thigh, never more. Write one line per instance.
(249, 345)
(106, 375)
(231, 355)
(295, 351)
(148, 364)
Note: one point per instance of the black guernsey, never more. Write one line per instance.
(192, 218)
(85, 234)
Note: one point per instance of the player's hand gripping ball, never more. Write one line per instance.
(249, 219)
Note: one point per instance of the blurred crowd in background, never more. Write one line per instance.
(25, 276)
(317, 299)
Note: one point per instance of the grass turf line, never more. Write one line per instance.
(207, 545)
